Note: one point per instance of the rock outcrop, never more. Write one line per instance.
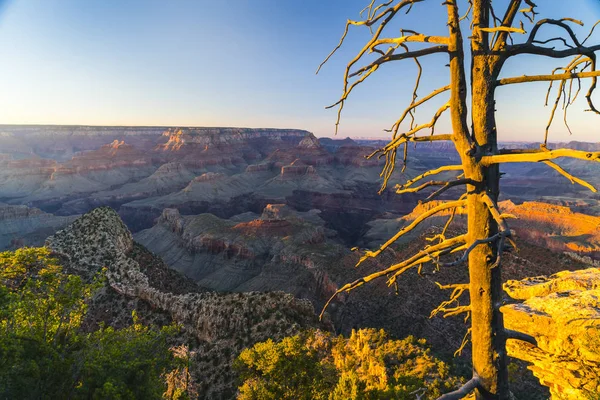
(561, 314)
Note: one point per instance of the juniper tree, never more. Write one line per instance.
(494, 36)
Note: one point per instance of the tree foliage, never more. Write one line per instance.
(318, 365)
(45, 354)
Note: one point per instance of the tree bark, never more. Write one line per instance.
(487, 326)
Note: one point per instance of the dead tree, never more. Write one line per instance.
(493, 37)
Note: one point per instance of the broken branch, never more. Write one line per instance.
(463, 391)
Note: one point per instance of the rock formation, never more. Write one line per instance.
(562, 315)
(280, 250)
(222, 324)
(23, 226)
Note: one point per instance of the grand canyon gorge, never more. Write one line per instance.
(242, 235)
(299, 200)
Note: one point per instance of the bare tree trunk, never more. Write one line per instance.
(487, 329)
(478, 150)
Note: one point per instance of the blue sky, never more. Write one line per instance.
(244, 63)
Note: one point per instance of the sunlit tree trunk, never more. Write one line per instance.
(491, 44)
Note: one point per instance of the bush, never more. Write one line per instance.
(317, 365)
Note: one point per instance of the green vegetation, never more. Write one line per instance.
(44, 353)
(317, 365)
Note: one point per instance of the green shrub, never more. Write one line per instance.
(44, 353)
(367, 365)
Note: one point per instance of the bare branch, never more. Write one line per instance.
(388, 13)
(530, 48)
(416, 104)
(464, 181)
(402, 56)
(570, 177)
(496, 214)
(368, 22)
(591, 31)
(458, 290)
(423, 186)
(557, 22)
(431, 138)
(530, 10)
(503, 29)
(540, 156)
(464, 342)
(431, 172)
(510, 334)
(410, 227)
(419, 37)
(463, 391)
(421, 257)
(415, 95)
(562, 86)
(446, 185)
(541, 78)
(507, 21)
(466, 15)
(468, 251)
(570, 68)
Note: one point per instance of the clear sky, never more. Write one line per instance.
(244, 63)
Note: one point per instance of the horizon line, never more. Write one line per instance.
(242, 127)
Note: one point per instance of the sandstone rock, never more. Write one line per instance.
(276, 212)
(562, 313)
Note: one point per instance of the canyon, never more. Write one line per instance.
(230, 220)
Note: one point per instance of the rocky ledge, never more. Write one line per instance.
(561, 316)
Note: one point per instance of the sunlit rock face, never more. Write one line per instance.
(205, 147)
(562, 313)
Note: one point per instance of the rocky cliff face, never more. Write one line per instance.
(556, 227)
(308, 151)
(561, 314)
(280, 250)
(228, 147)
(24, 226)
(222, 324)
(63, 142)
